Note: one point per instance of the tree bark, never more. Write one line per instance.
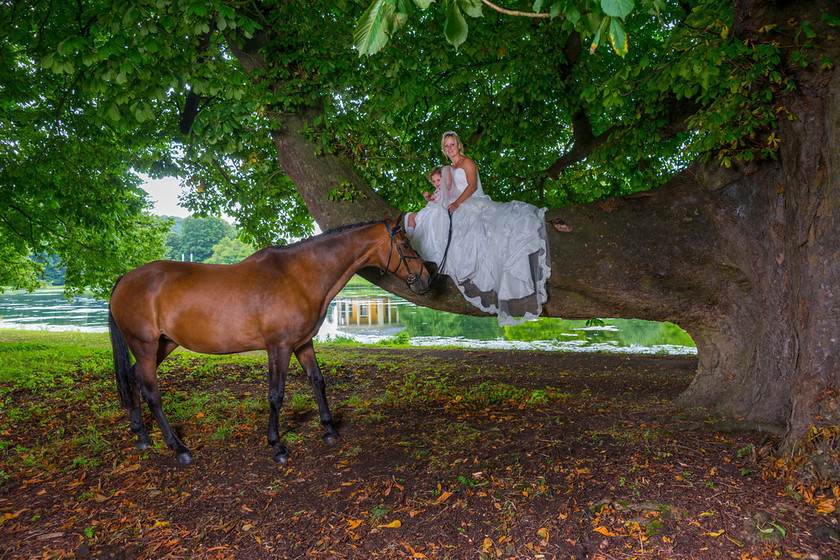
(745, 259)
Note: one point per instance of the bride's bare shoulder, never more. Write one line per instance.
(466, 165)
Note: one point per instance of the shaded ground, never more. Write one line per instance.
(444, 454)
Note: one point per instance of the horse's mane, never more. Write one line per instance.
(326, 234)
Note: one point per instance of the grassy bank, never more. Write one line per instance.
(43, 354)
(26, 353)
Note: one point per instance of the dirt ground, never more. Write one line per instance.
(454, 454)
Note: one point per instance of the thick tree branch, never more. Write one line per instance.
(585, 142)
(192, 104)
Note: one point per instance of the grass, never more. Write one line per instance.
(43, 353)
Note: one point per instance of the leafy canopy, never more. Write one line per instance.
(66, 181)
(551, 114)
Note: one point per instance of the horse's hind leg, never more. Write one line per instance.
(135, 414)
(306, 356)
(145, 370)
(138, 427)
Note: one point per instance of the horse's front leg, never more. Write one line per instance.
(306, 356)
(278, 366)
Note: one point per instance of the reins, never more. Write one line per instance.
(439, 270)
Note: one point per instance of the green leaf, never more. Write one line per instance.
(48, 61)
(372, 31)
(538, 6)
(572, 13)
(831, 20)
(471, 7)
(618, 37)
(423, 4)
(455, 28)
(602, 28)
(617, 8)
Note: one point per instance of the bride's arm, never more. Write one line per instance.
(471, 172)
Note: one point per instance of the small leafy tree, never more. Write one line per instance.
(200, 235)
(229, 251)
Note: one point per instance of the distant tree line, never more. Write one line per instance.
(209, 240)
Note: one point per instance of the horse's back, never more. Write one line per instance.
(189, 303)
(214, 308)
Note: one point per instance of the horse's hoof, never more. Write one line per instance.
(184, 457)
(142, 445)
(281, 457)
(330, 439)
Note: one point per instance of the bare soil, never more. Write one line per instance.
(444, 454)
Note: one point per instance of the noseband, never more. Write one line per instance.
(411, 277)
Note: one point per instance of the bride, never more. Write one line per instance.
(498, 252)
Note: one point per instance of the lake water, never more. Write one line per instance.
(370, 315)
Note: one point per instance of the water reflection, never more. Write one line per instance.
(369, 315)
(365, 315)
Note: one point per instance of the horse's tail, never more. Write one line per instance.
(126, 383)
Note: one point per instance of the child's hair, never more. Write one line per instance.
(436, 171)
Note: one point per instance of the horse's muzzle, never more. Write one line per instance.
(418, 284)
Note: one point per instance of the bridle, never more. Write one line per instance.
(411, 277)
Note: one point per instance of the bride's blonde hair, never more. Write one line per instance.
(452, 134)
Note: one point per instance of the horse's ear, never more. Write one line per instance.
(396, 222)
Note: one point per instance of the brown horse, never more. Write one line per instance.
(276, 299)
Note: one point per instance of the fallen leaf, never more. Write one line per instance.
(414, 553)
(352, 524)
(127, 469)
(13, 515)
(826, 505)
(487, 545)
(396, 524)
(443, 497)
(604, 531)
(543, 533)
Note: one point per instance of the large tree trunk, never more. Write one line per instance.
(745, 259)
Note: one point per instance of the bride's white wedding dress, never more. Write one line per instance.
(498, 255)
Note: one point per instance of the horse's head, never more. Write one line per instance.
(410, 266)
